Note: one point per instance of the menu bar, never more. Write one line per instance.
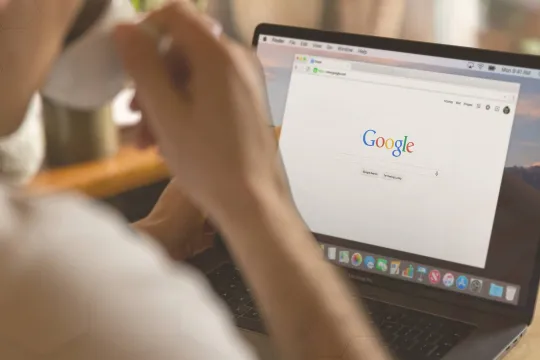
(423, 274)
(504, 70)
(480, 89)
(400, 56)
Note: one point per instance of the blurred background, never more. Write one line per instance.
(505, 25)
(509, 25)
(96, 154)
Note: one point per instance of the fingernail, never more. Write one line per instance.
(4, 4)
(217, 29)
(215, 26)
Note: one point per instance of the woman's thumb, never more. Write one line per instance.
(141, 58)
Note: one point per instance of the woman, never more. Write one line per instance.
(76, 283)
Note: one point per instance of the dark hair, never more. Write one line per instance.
(89, 14)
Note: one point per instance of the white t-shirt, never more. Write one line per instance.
(76, 283)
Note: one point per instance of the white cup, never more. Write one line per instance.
(88, 74)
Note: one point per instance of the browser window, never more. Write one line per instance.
(426, 205)
(364, 144)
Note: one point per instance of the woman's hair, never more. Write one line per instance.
(90, 12)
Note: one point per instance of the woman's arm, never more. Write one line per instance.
(310, 312)
(214, 136)
(31, 36)
(76, 283)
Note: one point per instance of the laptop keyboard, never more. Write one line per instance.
(407, 333)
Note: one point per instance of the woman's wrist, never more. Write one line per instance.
(251, 204)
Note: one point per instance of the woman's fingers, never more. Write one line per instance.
(162, 79)
(196, 36)
(157, 94)
(3, 4)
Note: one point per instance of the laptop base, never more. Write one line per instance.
(491, 338)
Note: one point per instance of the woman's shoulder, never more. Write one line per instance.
(74, 267)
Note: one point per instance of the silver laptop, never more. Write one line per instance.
(417, 167)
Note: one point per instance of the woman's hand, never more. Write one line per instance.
(211, 124)
(31, 37)
(177, 225)
(210, 119)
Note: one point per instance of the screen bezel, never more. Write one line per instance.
(521, 312)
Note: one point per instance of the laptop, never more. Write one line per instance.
(417, 168)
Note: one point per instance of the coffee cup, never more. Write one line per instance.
(88, 73)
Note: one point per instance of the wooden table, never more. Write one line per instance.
(529, 346)
(128, 170)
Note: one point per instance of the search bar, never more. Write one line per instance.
(389, 170)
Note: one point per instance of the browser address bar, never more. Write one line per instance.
(415, 84)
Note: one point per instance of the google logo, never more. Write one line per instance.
(399, 146)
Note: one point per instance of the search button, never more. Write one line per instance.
(392, 176)
(370, 172)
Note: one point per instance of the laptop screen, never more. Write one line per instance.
(400, 163)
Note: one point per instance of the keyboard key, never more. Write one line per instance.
(241, 309)
(226, 295)
(420, 351)
(244, 299)
(409, 320)
(403, 331)
(405, 343)
(448, 343)
(252, 314)
(389, 328)
(392, 318)
(441, 351)
(377, 318)
(426, 349)
(428, 337)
